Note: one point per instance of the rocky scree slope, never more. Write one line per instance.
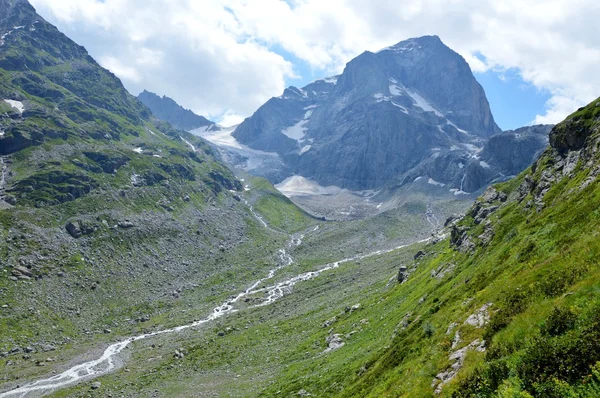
(108, 217)
(168, 110)
(410, 110)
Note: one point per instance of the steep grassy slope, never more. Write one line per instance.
(510, 308)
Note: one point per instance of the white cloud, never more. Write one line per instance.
(123, 71)
(231, 119)
(217, 57)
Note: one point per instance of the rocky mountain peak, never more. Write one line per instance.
(15, 13)
(409, 110)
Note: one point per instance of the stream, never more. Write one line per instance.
(107, 362)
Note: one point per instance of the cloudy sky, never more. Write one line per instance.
(537, 59)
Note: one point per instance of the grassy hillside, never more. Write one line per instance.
(111, 222)
(507, 305)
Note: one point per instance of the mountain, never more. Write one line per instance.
(170, 111)
(71, 125)
(512, 151)
(134, 263)
(410, 110)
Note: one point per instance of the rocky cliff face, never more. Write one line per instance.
(513, 151)
(168, 110)
(409, 110)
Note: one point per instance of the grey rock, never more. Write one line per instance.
(513, 151)
(178, 354)
(487, 236)
(402, 274)
(74, 229)
(329, 322)
(23, 271)
(79, 228)
(420, 254)
(126, 224)
(453, 219)
(491, 195)
(11, 200)
(334, 342)
(47, 347)
(96, 385)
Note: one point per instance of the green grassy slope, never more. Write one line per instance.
(537, 265)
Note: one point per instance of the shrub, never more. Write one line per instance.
(559, 322)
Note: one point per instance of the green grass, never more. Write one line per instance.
(278, 211)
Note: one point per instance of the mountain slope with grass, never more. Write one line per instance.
(111, 221)
(506, 306)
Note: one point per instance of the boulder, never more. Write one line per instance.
(126, 224)
(420, 254)
(334, 342)
(402, 274)
(74, 229)
(79, 228)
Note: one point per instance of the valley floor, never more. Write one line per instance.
(252, 338)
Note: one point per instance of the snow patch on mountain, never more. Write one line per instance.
(422, 103)
(18, 105)
(305, 149)
(403, 109)
(434, 182)
(458, 192)
(395, 90)
(297, 131)
(456, 127)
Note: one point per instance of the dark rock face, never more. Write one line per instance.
(410, 110)
(513, 151)
(572, 134)
(574, 142)
(168, 110)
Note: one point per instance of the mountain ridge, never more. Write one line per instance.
(167, 109)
